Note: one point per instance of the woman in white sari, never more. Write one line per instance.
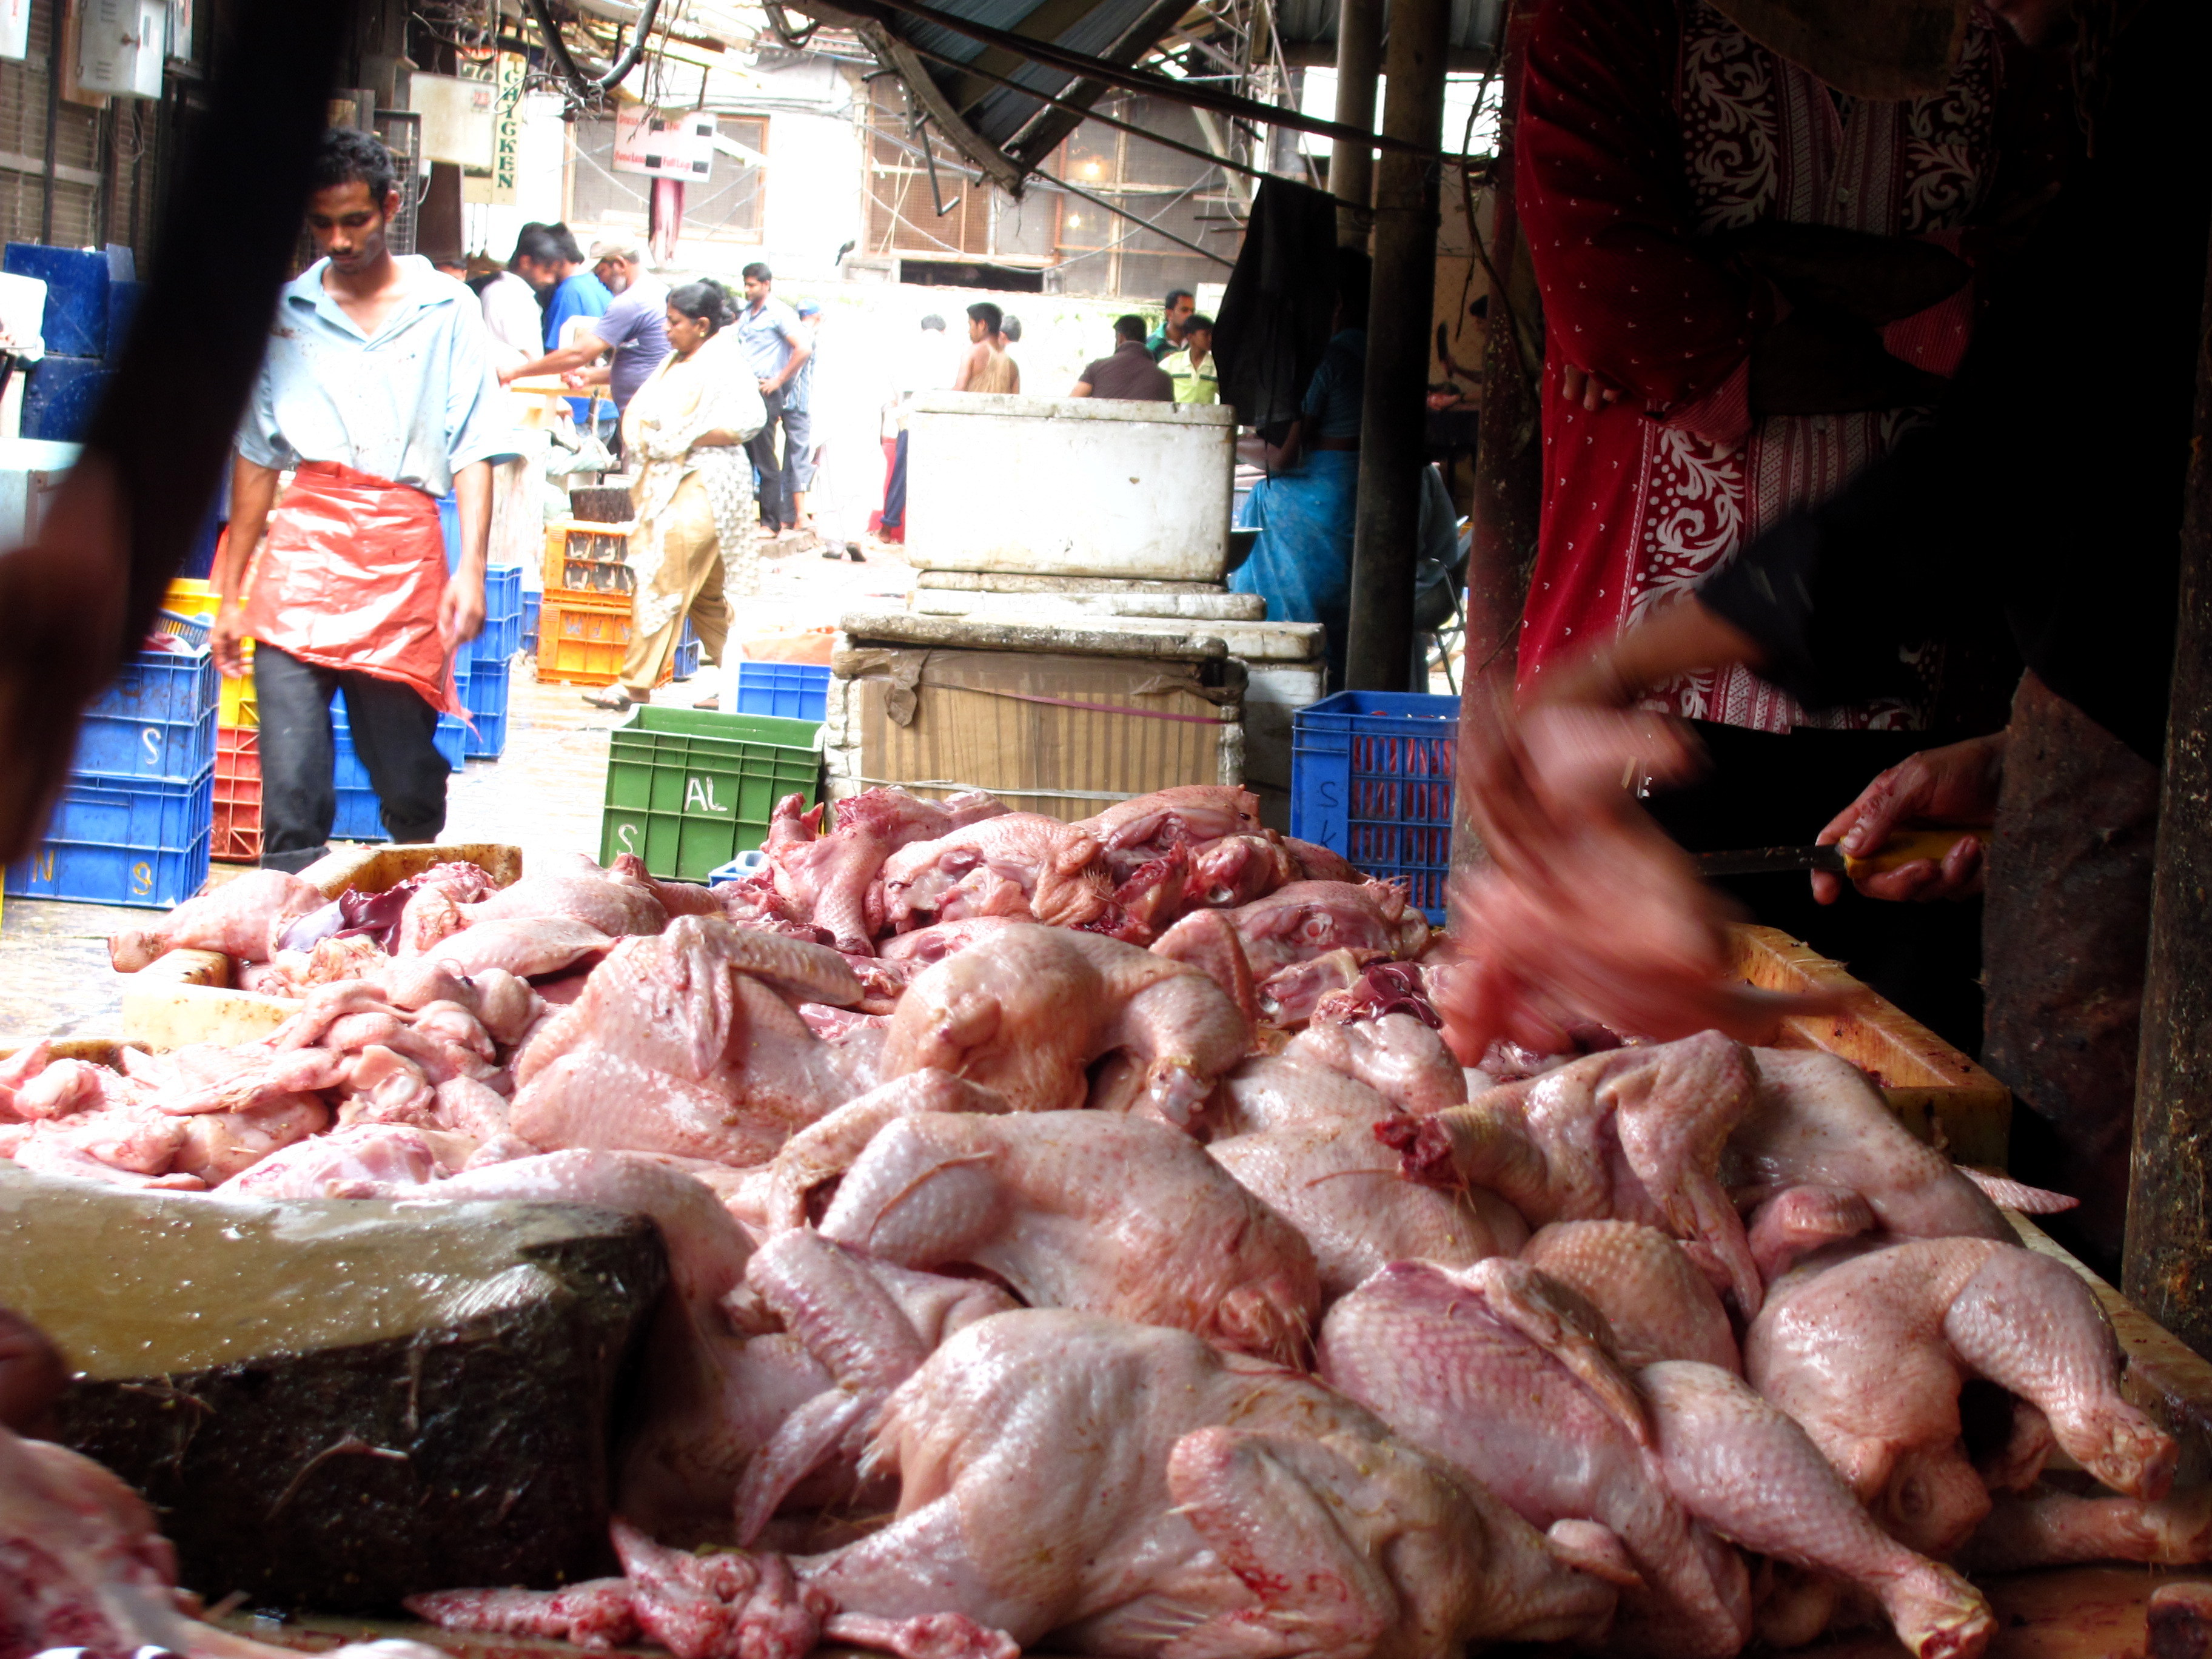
(693, 550)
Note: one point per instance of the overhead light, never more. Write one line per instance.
(1073, 221)
(1093, 168)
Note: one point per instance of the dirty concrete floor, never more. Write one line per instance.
(543, 795)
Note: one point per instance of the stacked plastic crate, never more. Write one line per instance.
(491, 662)
(134, 822)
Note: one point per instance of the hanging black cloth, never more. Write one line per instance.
(1275, 313)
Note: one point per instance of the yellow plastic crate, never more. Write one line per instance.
(190, 598)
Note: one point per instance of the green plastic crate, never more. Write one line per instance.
(689, 789)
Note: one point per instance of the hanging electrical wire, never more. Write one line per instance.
(579, 87)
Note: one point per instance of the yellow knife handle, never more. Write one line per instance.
(1906, 846)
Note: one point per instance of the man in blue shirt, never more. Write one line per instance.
(776, 346)
(377, 392)
(634, 329)
(798, 424)
(552, 263)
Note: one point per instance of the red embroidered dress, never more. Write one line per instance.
(1646, 125)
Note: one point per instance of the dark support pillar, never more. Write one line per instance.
(2169, 1243)
(1352, 166)
(1393, 416)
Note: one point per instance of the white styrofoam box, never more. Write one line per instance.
(1187, 607)
(1069, 486)
(31, 471)
(1273, 692)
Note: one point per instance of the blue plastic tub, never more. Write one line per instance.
(122, 311)
(1372, 778)
(687, 653)
(59, 395)
(789, 690)
(156, 720)
(77, 282)
(485, 694)
(141, 843)
(501, 634)
(360, 814)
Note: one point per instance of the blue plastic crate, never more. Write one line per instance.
(112, 842)
(77, 280)
(531, 603)
(687, 653)
(501, 636)
(789, 690)
(156, 720)
(485, 694)
(1372, 778)
(60, 394)
(360, 814)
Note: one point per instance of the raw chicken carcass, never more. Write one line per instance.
(1028, 1010)
(1083, 1210)
(1340, 1188)
(1021, 865)
(1825, 1158)
(523, 946)
(1398, 1055)
(1870, 1354)
(685, 1043)
(1238, 869)
(1191, 815)
(928, 946)
(825, 879)
(1509, 1376)
(777, 1196)
(871, 1325)
(1125, 1490)
(1636, 1134)
(242, 919)
(1657, 1304)
(1308, 918)
(611, 902)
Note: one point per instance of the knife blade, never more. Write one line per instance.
(1905, 847)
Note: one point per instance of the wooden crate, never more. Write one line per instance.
(1940, 1093)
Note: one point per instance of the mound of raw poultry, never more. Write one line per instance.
(1081, 1235)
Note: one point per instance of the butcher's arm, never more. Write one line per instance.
(1629, 298)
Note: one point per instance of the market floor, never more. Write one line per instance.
(543, 795)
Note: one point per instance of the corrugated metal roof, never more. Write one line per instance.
(1001, 113)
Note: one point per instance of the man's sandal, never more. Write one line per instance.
(618, 701)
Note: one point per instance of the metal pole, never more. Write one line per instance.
(55, 34)
(1394, 411)
(2168, 1259)
(1352, 165)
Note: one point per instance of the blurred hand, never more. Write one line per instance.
(461, 609)
(1592, 392)
(573, 377)
(225, 639)
(63, 599)
(1955, 786)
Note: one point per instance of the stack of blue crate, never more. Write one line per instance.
(491, 661)
(133, 822)
(481, 672)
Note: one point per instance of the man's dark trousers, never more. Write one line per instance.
(393, 731)
(769, 470)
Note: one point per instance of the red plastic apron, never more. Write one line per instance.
(350, 577)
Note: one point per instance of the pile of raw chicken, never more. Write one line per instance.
(1083, 1234)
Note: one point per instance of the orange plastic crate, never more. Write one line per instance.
(583, 636)
(237, 795)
